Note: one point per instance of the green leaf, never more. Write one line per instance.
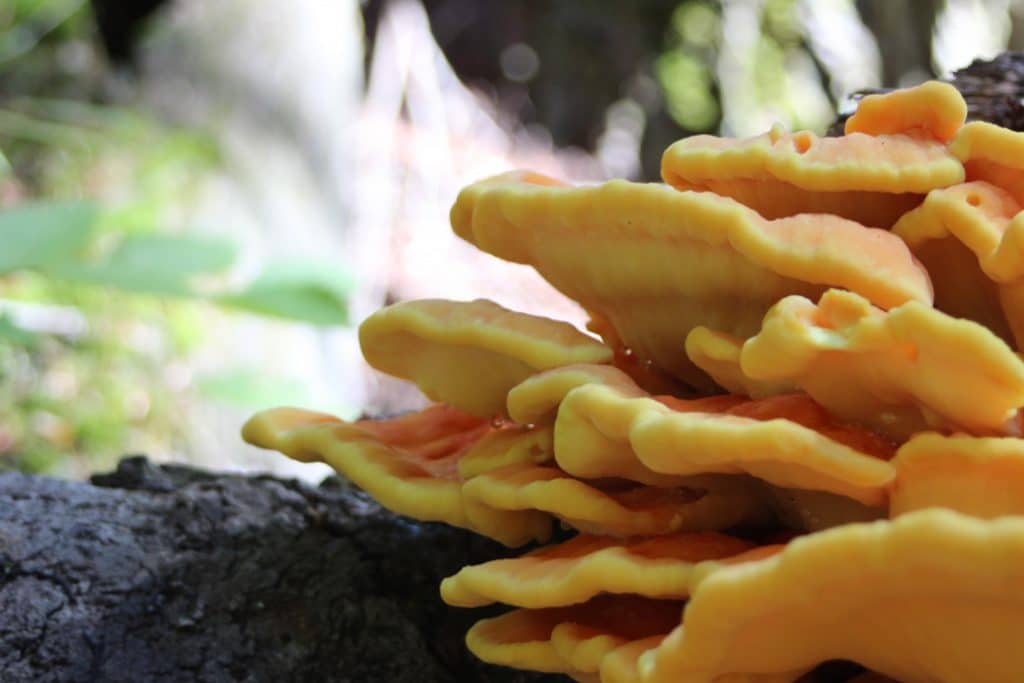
(44, 234)
(253, 389)
(155, 264)
(14, 335)
(308, 292)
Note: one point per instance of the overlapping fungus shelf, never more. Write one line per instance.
(797, 439)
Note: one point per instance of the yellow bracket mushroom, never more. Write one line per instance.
(891, 370)
(654, 263)
(931, 596)
(469, 354)
(599, 430)
(993, 154)
(615, 508)
(973, 235)
(408, 464)
(571, 640)
(869, 178)
(586, 566)
(983, 477)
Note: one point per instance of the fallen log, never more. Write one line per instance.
(172, 574)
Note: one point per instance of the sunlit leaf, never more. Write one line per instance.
(311, 293)
(157, 264)
(44, 234)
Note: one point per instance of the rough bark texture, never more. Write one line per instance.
(170, 574)
(993, 89)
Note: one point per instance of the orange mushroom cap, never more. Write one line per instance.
(654, 263)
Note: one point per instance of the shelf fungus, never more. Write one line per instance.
(992, 154)
(973, 234)
(889, 370)
(587, 566)
(469, 354)
(573, 640)
(408, 464)
(654, 263)
(599, 429)
(980, 476)
(798, 439)
(894, 153)
(931, 596)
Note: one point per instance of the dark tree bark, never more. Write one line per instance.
(170, 574)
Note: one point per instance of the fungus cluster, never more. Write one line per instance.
(798, 438)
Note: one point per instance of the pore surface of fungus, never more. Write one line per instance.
(654, 263)
(469, 354)
(931, 596)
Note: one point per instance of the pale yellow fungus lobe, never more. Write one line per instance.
(891, 370)
(993, 154)
(610, 507)
(599, 430)
(507, 445)
(932, 110)
(655, 263)
(930, 596)
(870, 179)
(586, 566)
(983, 477)
(536, 399)
(571, 640)
(469, 354)
(409, 464)
(971, 236)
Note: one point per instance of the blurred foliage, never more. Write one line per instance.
(101, 303)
